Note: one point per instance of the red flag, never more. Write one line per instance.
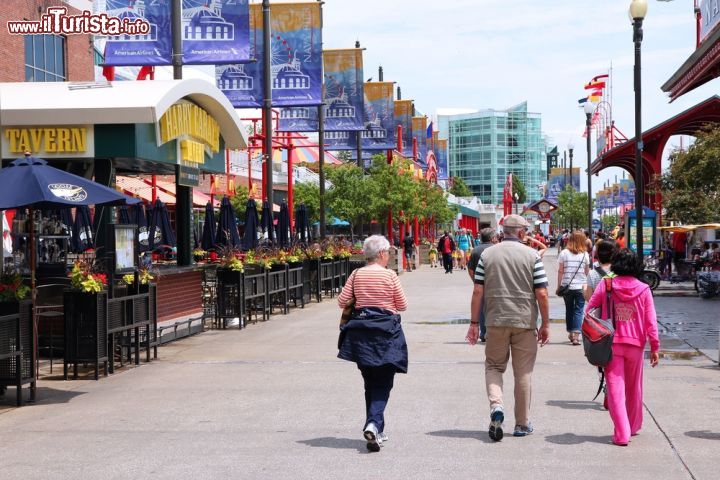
(595, 79)
(596, 85)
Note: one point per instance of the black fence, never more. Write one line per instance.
(17, 351)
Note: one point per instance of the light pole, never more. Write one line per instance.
(588, 124)
(571, 147)
(638, 10)
(517, 200)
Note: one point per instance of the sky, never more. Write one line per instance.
(497, 53)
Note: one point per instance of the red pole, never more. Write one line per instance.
(698, 23)
(250, 152)
(212, 190)
(227, 171)
(415, 150)
(291, 149)
(402, 237)
(154, 188)
(417, 231)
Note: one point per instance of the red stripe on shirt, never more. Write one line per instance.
(374, 286)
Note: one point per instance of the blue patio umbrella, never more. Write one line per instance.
(140, 219)
(161, 232)
(267, 222)
(283, 226)
(250, 240)
(227, 231)
(66, 219)
(302, 224)
(208, 234)
(82, 234)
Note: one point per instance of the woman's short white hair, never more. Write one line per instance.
(373, 245)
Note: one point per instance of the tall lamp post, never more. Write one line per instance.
(588, 124)
(571, 147)
(638, 10)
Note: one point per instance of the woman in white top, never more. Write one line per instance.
(573, 268)
(605, 251)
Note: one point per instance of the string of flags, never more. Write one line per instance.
(596, 88)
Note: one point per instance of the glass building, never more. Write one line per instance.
(485, 146)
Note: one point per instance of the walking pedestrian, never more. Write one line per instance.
(488, 238)
(446, 247)
(510, 282)
(605, 250)
(463, 245)
(373, 337)
(573, 267)
(408, 248)
(633, 312)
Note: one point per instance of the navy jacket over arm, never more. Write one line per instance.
(374, 337)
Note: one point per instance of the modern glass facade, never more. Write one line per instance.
(485, 146)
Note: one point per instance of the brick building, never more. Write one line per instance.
(40, 58)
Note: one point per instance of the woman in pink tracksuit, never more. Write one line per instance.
(635, 324)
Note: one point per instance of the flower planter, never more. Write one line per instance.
(86, 331)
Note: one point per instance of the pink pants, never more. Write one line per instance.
(624, 377)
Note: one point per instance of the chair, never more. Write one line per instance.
(48, 308)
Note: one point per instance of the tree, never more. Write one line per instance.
(434, 205)
(391, 187)
(518, 190)
(459, 187)
(239, 201)
(691, 186)
(572, 209)
(347, 198)
(344, 156)
(309, 194)
(609, 221)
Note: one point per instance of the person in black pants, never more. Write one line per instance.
(408, 247)
(446, 247)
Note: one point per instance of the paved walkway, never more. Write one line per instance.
(272, 401)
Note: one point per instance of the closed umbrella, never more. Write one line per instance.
(227, 231)
(301, 224)
(267, 221)
(208, 233)
(161, 233)
(250, 239)
(66, 220)
(82, 238)
(283, 226)
(140, 219)
(124, 216)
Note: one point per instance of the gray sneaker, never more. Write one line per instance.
(497, 416)
(523, 430)
(382, 438)
(371, 436)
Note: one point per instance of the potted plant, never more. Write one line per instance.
(12, 291)
(198, 254)
(145, 277)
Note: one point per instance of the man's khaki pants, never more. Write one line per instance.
(501, 341)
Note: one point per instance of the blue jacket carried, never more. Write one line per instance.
(374, 337)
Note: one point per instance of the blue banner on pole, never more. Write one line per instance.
(403, 117)
(344, 110)
(216, 31)
(441, 154)
(420, 134)
(380, 132)
(296, 59)
(153, 48)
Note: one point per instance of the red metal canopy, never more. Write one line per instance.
(655, 139)
(701, 67)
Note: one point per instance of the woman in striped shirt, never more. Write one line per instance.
(573, 268)
(373, 337)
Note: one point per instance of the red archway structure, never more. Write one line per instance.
(655, 139)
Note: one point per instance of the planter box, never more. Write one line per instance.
(296, 283)
(229, 296)
(311, 279)
(20, 315)
(86, 331)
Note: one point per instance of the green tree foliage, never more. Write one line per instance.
(518, 189)
(344, 156)
(609, 221)
(309, 194)
(572, 209)
(347, 198)
(691, 186)
(433, 204)
(459, 187)
(391, 187)
(239, 201)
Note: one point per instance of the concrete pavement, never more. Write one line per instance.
(272, 401)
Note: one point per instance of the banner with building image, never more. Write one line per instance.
(403, 117)
(343, 93)
(215, 31)
(152, 48)
(296, 59)
(419, 131)
(441, 154)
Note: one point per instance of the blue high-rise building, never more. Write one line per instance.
(484, 146)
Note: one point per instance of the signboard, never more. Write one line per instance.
(191, 125)
(187, 175)
(403, 117)
(648, 235)
(419, 132)
(296, 59)
(557, 181)
(710, 17)
(48, 142)
(441, 154)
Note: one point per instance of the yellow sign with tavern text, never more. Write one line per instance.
(49, 142)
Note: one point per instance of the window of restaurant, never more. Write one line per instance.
(45, 58)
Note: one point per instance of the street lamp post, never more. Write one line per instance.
(638, 10)
(571, 147)
(517, 200)
(588, 124)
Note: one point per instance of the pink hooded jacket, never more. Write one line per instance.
(635, 320)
